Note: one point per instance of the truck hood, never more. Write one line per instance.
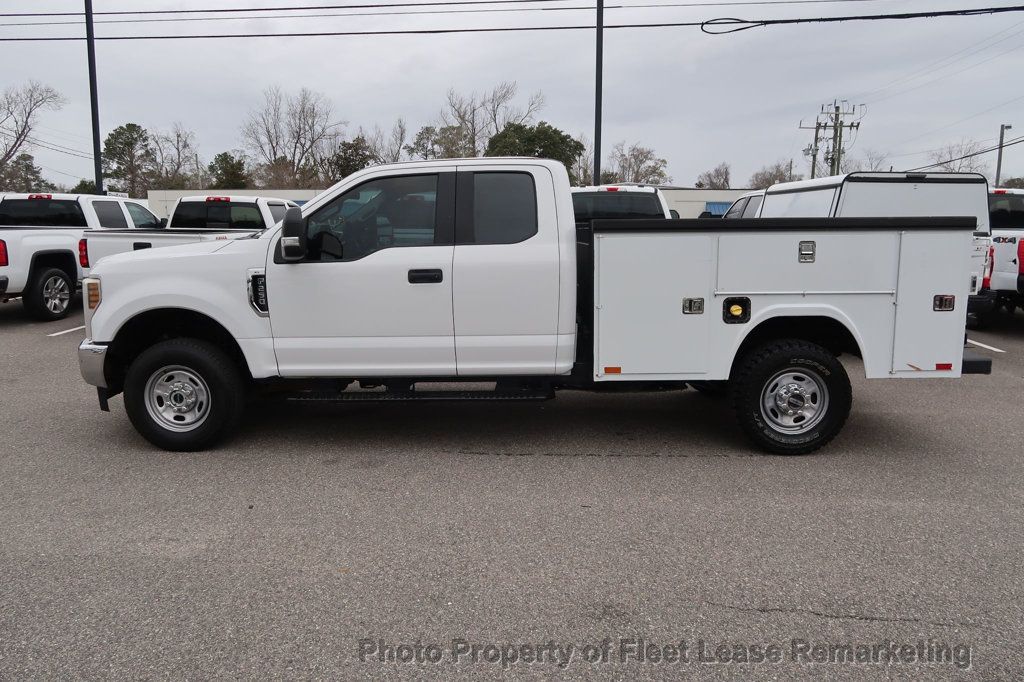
(166, 254)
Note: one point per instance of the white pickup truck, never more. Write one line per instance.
(405, 279)
(41, 258)
(193, 219)
(1006, 279)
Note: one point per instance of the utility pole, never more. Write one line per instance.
(999, 159)
(90, 41)
(831, 118)
(597, 92)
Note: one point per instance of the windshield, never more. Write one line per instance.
(618, 205)
(1006, 211)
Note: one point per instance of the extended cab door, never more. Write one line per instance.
(374, 295)
(506, 271)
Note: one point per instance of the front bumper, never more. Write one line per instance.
(91, 358)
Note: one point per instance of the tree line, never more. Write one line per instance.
(295, 140)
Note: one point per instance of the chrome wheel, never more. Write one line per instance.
(56, 294)
(177, 398)
(794, 401)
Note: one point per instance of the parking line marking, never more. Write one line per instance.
(67, 331)
(982, 345)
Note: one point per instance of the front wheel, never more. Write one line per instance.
(791, 397)
(184, 395)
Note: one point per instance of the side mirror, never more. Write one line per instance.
(163, 222)
(293, 236)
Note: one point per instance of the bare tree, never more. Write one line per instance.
(177, 162)
(290, 134)
(583, 169)
(716, 178)
(636, 164)
(960, 157)
(387, 148)
(872, 161)
(19, 109)
(781, 171)
(478, 117)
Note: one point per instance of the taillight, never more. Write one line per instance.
(40, 196)
(218, 198)
(611, 189)
(83, 253)
(3, 254)
(1020, 256)
(986, 281)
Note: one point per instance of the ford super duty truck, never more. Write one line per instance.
(193, 219)
(1005, 280)
(41, 258)
(403, 280)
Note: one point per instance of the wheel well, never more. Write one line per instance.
(62, 260)
(153, 326)
(824, 331)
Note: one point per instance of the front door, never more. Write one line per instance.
(374, 295)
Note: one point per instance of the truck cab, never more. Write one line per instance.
(1007, 256)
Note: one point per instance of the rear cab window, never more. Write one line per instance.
(495, 207)
(590, 206)
(42, 212)
(1006, 211)
(217, 215)
(277, 211)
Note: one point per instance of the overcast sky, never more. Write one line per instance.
(696, 99)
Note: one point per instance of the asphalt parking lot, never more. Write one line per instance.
(590, 517)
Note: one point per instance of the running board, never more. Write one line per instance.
(408, 396)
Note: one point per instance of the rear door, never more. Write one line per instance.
(506, 271)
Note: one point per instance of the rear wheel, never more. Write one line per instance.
(184, 395)
(791, 397)
(48, 296)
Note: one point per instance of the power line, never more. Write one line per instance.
(400, 4)
(476, 10)
(704, 25)
(942, 63)
(1011, 143)
(736, 25)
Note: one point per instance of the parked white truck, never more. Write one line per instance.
(434, 272)
(40, 244)
(193, 219)
(1006, 279)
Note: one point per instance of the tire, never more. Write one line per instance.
(791, 397)
(184, 395)
(49, 294)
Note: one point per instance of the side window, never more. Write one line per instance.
(752, 205)
(189, 214)
(379, 214)
(803, 204)
(110, 214)
(246, 217)
(277, 211)
(736, 210)
(504, 208)
(143, 219)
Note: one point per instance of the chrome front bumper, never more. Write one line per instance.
(91, 357)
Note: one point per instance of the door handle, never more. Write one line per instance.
(425, 276)
(141, 245)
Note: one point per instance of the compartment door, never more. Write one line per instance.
(930, 342)
(640, 285)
